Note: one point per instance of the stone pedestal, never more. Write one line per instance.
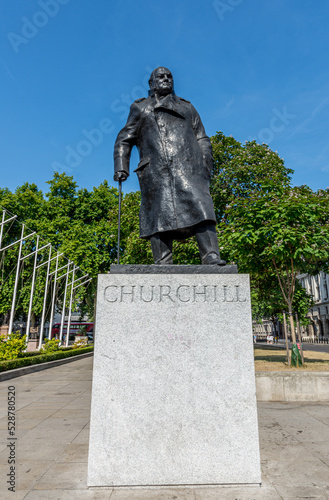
(174, 399)
(32, 345)
(4, 330)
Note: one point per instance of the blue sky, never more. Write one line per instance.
(254, 69)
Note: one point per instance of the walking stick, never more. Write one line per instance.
(119, 220)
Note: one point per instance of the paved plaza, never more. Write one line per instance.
(52, 429)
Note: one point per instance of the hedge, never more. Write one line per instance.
(29, 354)
(12, 364)
(37, 353)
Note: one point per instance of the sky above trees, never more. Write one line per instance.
(69, 71)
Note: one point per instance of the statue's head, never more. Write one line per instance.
(161, 81)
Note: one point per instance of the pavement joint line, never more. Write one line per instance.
(296, 441)
(310, 414)
(38, 478)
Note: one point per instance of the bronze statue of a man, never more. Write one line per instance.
(174, 170)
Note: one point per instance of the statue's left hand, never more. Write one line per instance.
(120, 176)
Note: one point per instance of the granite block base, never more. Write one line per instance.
(173, 398)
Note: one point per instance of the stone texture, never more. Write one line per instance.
(295, 386)
(269, 386)
(174, 398)
(172, 269)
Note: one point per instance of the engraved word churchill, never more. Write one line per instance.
(175, 294)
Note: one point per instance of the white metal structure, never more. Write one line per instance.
(39, 252)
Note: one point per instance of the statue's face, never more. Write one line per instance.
(163, 82)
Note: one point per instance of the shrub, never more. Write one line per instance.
(82, 330)
(28, 354)
(50, 345)
(11, 347)
(80, 343)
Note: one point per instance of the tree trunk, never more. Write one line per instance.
(279, 329)
(300, 338)
(292, 325)
(286, 337)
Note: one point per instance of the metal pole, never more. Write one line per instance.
(32, 292)
(46, 262)
(17, 241)
(36, 250)
(44, 301)
(59, 269)
(286, 336)
(87, 281)
(70, 310)
(53, 299)
(64, 302)
(82, 278)
(119, 220)
(11, 321)
(2, 224)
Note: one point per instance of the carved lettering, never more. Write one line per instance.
(151, 295)
(215, 293)
(183, 293)
(127, 293)
(198, 293)
(237, 291)
(111, 294)
(226, 295)
(165, 294)
(180, 294)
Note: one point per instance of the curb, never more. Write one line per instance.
(283, 386)
(18, 372)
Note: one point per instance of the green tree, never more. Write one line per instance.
(267, 301)
(75, 221)
(242, 170)
(285, 231)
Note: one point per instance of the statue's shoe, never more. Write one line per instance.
(214, 259)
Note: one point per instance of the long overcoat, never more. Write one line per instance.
(175, 164)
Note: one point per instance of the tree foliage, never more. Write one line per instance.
(285, 232)
(75, 221)
(267, 301)
(240, 171)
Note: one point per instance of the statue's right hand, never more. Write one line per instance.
(120, 176)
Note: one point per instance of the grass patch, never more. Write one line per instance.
(276, 360)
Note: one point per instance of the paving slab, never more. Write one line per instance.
(53, 435)
(61, 476)
(149, 494)
(66, 495)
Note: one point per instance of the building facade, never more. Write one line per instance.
(318, 287)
